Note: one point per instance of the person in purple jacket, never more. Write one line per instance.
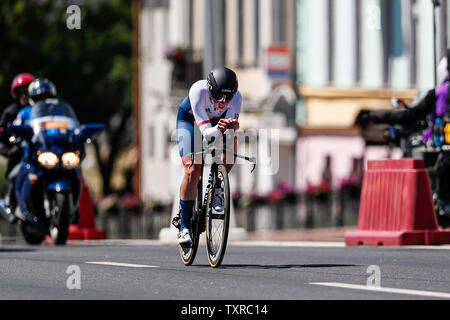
(433, 108)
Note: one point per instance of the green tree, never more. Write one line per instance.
(91, 67)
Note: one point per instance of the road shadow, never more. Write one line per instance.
(283, 266)
(17, 250)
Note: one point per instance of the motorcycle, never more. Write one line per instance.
(440, 170)
(436, 155)
(409, 138)
(48, 184)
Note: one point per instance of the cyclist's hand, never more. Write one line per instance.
(233, 124)
(223, 124)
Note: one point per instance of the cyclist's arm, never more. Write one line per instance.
(201, 117)
(235, 109)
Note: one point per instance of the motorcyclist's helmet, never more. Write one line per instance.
(222, 84)
(22, 80)
(41, 89)
(442, 69)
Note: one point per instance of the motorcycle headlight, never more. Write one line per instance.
(70, 160)
(48, 159)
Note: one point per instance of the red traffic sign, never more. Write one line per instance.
(278, 60)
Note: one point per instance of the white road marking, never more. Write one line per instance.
(324, 244)
(382, 289)
(119, 264)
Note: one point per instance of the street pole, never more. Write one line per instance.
(137, 5)
(295, 82)
(214, 35)
(208, 60)
(436, 4)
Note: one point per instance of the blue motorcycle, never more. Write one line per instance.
(48, 183)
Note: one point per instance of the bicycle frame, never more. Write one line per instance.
(203, 212)
(199, 214)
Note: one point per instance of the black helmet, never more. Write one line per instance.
(41, 89)
(222, 84)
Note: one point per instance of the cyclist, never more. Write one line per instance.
(19, 93)
(212, 107)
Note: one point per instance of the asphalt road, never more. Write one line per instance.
(135, 270)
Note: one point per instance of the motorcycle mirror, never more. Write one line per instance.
(91, 130)
(23, 131)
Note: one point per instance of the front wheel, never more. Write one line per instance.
(218, 223)
(60, 220)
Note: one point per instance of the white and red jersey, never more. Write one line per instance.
(204, 112)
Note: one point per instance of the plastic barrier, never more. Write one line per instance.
(86, 227)
(396, 206)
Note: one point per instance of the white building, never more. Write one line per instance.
(353, 55)
(234, 33)
(349, 55)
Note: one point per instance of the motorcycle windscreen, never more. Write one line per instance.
(53, 125)
(54, 117)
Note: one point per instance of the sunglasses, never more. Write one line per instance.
(219, 97)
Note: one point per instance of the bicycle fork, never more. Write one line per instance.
(202, 211)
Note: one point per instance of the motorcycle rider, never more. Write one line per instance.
(432, 107)
(39, 89)
(9, 149)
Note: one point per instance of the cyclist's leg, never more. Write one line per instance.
(188, 193)
(186, 144)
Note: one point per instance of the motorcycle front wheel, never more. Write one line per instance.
(60, 220)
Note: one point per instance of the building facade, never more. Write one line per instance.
(179, 42)
(305, 67)
(353, 55)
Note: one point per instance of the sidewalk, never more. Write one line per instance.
(324, 234)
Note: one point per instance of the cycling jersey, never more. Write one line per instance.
(204, 112)
(198, 117)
